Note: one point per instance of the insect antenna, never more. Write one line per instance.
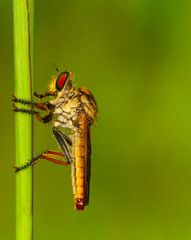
(56, 67)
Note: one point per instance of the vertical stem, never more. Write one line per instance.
(23, 55)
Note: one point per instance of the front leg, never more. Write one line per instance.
(41, 96)
(45, 119)
(45, 106)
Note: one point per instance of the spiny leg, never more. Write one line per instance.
(55, 153)
(45, 119)
(29, 103)
(47, 156)
(45, 106)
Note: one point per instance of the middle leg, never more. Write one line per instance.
(45, 119)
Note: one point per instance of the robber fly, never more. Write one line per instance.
(74, 109)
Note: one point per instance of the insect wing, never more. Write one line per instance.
(87, 157)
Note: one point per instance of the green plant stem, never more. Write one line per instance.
(23, 55)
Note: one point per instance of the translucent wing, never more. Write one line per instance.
(87, 157)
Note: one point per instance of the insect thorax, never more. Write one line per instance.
(69, 107)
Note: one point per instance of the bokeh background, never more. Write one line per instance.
(135, 56)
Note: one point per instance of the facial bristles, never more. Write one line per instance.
(52, 85)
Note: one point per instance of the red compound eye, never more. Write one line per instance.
(61, 80)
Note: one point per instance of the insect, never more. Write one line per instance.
(74, 109)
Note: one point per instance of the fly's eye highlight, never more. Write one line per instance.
(61, 80)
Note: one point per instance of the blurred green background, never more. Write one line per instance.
(135, 57)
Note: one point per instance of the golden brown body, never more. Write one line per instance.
(75, 109)
(78, 112)
(81, 150)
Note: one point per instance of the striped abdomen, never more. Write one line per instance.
(80, 167)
